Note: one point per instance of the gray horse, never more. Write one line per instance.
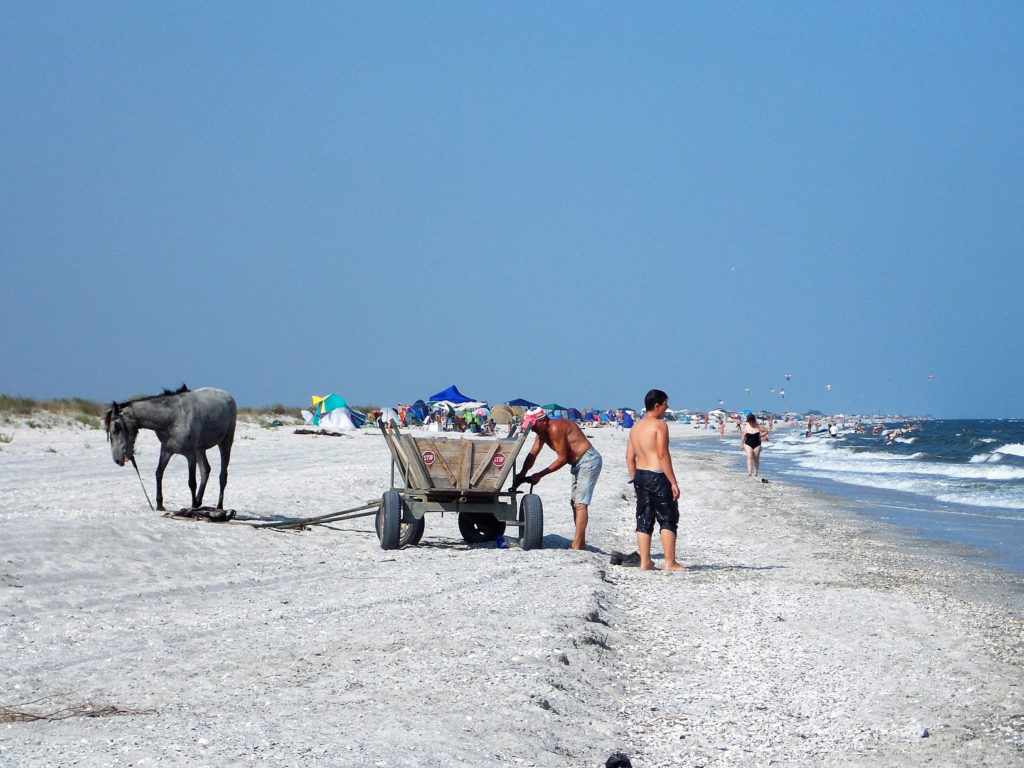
(188, 423)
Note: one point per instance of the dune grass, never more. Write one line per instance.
(90, 413)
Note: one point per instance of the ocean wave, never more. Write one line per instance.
(874, 465)
(935, 488)
(1011, 449)
(974, 500)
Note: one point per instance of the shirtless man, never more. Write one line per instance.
(568, 441)
(657, 493)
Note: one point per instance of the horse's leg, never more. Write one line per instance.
(192, 478)
(204, 475)
(225, 457)
(161, 465)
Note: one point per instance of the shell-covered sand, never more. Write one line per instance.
(803, 635)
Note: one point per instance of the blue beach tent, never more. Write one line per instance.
(452, 395)
(420, 409)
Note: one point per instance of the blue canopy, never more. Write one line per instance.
(522, 403)
(452, 395)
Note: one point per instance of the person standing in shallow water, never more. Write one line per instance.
(654, 480)
(750, 441)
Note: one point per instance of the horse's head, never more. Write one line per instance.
(121, 434)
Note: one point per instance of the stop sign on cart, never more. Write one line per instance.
(499, 460)
(428, 457)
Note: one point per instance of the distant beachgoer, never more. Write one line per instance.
(750, 441)
(567, 440)
(721, 427)
(833, 430)
(657, 492)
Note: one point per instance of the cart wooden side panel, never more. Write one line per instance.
(467, 464)
(461, 464)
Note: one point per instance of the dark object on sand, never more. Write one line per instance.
(209, 514)
(187, 423)
(629, 561)
(764, 480)
(618, 760)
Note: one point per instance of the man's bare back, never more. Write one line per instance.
(564, 438)
(644, 439)
(648, 448)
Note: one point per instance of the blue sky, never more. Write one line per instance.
(569, 202)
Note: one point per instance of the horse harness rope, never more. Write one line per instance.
(124, 428)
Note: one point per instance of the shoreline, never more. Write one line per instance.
(902, 513)
(804, 635)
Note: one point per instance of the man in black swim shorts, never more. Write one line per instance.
(657, 493)
(654, 502)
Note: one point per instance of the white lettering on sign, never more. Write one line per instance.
(428, 457)
(499, 460)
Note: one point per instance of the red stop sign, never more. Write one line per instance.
(499, 460)
(428, 457)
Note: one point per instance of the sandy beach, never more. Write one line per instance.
(803, 635)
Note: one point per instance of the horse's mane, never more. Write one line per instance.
(166, 393)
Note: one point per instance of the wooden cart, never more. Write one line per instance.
(463, 475)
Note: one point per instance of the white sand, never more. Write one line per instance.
(802, 636)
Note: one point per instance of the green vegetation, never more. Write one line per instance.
(84, 412)
(90, 414)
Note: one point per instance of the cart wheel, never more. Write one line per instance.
(389, 519)
(531, 515)
(411, 533)
(392, 532)
(478, 527)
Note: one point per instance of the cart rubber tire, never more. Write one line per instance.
(389, 520)
(392, 532)
(531, 515)
(412, 533)
(478, 527)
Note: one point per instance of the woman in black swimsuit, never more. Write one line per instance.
(750, 440)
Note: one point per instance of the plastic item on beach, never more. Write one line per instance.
(499, 542)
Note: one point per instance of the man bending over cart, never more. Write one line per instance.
(568, 441)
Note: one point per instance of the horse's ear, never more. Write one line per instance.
(114, 409)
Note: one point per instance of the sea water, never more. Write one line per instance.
(954, 481)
